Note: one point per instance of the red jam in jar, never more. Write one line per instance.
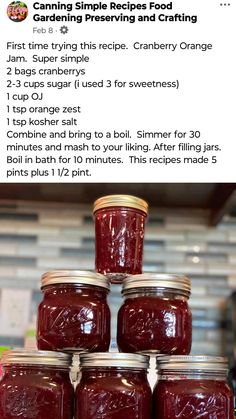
(119, 235)
(232, 376)
(113, 386)
(36, 385)
(192, 387)
(74, 314)
(155, 316)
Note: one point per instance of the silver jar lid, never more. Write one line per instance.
(34, 357)
(157, 280)
(121, 201)
(194, 363)
(114, 359)
(75, 277)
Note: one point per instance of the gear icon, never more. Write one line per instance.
(64, 30)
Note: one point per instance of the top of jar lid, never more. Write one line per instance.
(157, 280)
(188, 362)
(34, 357)
(75, 277)
(114, 359)
(121, 201)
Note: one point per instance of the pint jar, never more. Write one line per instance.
(232, 376)
(36, 385)
(113, 386)
(155, 316)
(74, 314)
(119, 235)
(191, 387)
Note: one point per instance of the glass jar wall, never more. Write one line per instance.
(192, 387)
(36, 385)
(232, 376)
(119, 235)
(113, 386)
(74, 314)
(155, 316)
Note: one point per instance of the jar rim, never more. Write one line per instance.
(114, 359)
(129, 201)
(157, 280)
(203, 363)
(36, 357)
(76, 277)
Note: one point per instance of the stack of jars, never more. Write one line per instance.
(74, 318)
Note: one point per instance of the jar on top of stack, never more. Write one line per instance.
(119, 235)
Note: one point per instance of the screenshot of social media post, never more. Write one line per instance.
(117, 209)
(117, 91)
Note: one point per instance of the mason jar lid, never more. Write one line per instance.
(154, 280)
(194, 363)
(121, 201)
(114, 359)
(75, 277)
(34, 357)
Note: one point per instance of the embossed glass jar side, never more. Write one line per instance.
(197, 388)
(33, 391)
(119, 235)
(113, 391)
(155, 316)
(232, 376)
(74, 316)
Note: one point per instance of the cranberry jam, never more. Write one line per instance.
(74, 314)
(233, 383)
(113, 386)
(36, 385)
(119, 234)
(155, 316)
(192, 387)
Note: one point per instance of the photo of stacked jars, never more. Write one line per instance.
(154, 320)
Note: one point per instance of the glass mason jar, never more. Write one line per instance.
(74, 314)
(36, 385)
(113, 386)
(155, 316)
(232, 376)
(119, 235)
(191, 387)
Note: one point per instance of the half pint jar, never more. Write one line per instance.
(36, 385)
(191, 387)
(74, 314)
(155, 316)
(119, 233)
(113, 386)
